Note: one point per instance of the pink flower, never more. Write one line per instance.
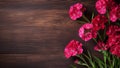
(113, 36)
(112, 30)
(115, 50)
(76, 11)
(100, 46)
(103, 5)
(88, 35)
(111, 41)
(115, 13)
(73, 48)
(98, 22)
(94, 33)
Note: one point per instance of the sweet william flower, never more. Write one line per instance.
(99, 22)
(113, 29)
(115, 50)
(100, 46)
(103, 5)
(115, 13)
(76, 11)
(94, 33)
(111, 41)
(86, 35)
(73, 48)
(113, 36)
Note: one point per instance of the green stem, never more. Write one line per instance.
(108, 17)
(92, 15)
(112, 63)
(104, 33)
(86, 18)
(100, 36)
(105, 58)
(109, 60)
(81, 22)
(90, 61)
(84, 61)
(118, 61)
(95, 40)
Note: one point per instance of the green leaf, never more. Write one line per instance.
(85, 18)
(90, 60)
(81, 22)
(81, 57)
(84, 64)
(99, 62)
(92, 15)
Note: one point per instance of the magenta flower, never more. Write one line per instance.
(113, 36)
(86, 35)
(111, 41)
(115, 50)
(98, 22)
(73, 48)
(113, 29)
(115, 13)
(100, 46)
(103, 5)
(76, 11)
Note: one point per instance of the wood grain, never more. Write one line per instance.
(33, 33)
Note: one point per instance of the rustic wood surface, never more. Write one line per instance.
(33, 33)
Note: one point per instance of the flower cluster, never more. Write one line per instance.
(115, 13)
(114, 40)
(103, 6)
(76, 11)
(73, 48)
(104, 29)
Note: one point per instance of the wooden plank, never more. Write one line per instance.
(33, 33)
(32, 61)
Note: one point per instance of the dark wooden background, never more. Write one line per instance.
(34, 33)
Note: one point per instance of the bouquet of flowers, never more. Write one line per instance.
(103, 28)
